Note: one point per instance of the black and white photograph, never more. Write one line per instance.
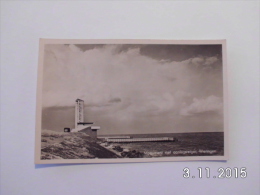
(106, 101)
(129, 97)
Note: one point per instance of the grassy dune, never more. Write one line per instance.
(61, 145)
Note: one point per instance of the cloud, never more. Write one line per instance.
(123, 81)
(115, 100)
(152, 105)
(198, 60)
(98, 75)
(199, 106)
(211, 60)
(204, 61)
(127, 90)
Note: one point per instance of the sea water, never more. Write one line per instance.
(188, 144)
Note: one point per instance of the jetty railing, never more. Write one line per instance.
(153, 139)
(116, 137)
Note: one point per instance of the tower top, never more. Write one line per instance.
(79, 100)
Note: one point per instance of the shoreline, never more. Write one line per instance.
(80, 145)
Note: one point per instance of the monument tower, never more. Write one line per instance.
(79, 112)
(80, 125)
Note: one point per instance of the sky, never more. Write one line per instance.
(134, 88)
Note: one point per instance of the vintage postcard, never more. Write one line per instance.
(113, 101)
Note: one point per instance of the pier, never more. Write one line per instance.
(116, 137)
(130, 140)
